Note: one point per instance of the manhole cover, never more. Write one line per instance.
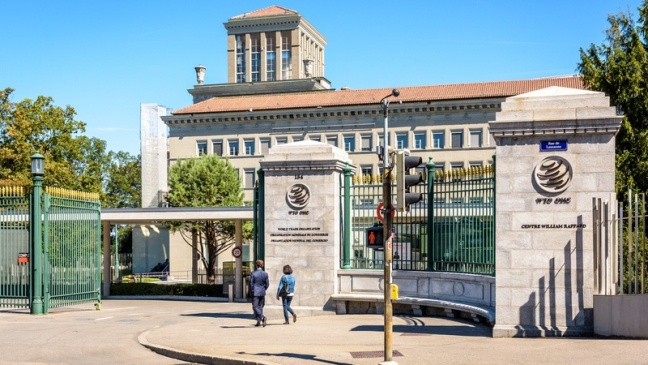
(370, 354)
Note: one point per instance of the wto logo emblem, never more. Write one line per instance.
(298, 196)
(553, 174)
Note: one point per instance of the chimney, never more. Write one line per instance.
(200, 74)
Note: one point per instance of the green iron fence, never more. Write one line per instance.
(451, 229)
(72, 242)
(14, 247)
(71, 248)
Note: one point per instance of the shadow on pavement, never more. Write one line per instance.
(295, 356)
(415, 326)
(221, 315)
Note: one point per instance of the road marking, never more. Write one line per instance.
(104, 318)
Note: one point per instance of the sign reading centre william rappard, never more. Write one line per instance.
(553, 176)
(298, 229)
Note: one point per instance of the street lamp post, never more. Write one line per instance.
(387, 230)
(36, 249)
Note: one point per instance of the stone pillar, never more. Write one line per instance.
(555, 152)
(302, 219)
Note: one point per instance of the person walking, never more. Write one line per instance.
(286, 291)
(259, 282)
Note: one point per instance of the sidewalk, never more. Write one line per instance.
(227, 335)
(216, 332)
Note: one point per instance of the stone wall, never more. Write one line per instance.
(554, 153)
(302, 219)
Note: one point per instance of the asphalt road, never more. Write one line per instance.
(83, 335)
(224, 333)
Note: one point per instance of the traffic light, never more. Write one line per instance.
(404, 180)
(375, 237)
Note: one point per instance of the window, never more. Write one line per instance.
(233, 147)
(282, 140)
(265, 145)
(248, 179)
(381, 139)
(419, 140)
(298, 138)
(457, 139)
(217, 147)
(401, 141)
(476, 164)
(201, 148)
(240, 58)
(439, 168)
(315, 137)
(255, 58)
(286, 58)
(366, 142)
(249, 147)
(332, 140)
(476, 138)
(456, 165)
(438, 138)
(366, 169)
(349, 143)
(271, 59)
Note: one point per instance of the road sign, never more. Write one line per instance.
(236, 252)
(379, 212)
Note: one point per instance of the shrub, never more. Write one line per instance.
(192, 290)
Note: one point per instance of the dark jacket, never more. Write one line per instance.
(259, 282)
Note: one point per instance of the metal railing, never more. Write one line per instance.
(451, 229)
(620, 245)
(14, 247)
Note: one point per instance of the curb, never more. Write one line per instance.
(196, 358)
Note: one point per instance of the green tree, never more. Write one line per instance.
(207, 181)
(72, 160)
(123, 185)
(619, 67)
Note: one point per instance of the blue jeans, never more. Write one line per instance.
(285, 301)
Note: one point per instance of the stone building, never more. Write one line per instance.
(277, 93)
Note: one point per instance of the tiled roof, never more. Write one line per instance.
(336, 98)
(269, 11)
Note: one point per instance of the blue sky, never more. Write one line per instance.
(105, 58)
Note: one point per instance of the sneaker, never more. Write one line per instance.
(257, 325)
(264, 321)
(294, 318)
(286, 322)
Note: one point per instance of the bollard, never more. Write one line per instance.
(230, 292)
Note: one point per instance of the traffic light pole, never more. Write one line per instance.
(387, 231)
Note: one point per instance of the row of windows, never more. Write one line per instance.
(439, 166)
(255, 57)
(255, 146)
(249, 175)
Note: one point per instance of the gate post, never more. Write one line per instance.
(346, 260)
(555, 152)
(431, 170)
(36, 236)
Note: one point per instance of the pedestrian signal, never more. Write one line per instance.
(375, 238)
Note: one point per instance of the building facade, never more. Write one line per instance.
(275, 99)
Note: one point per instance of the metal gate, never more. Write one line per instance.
(451, 229)
(70, 242)
(14, 247)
